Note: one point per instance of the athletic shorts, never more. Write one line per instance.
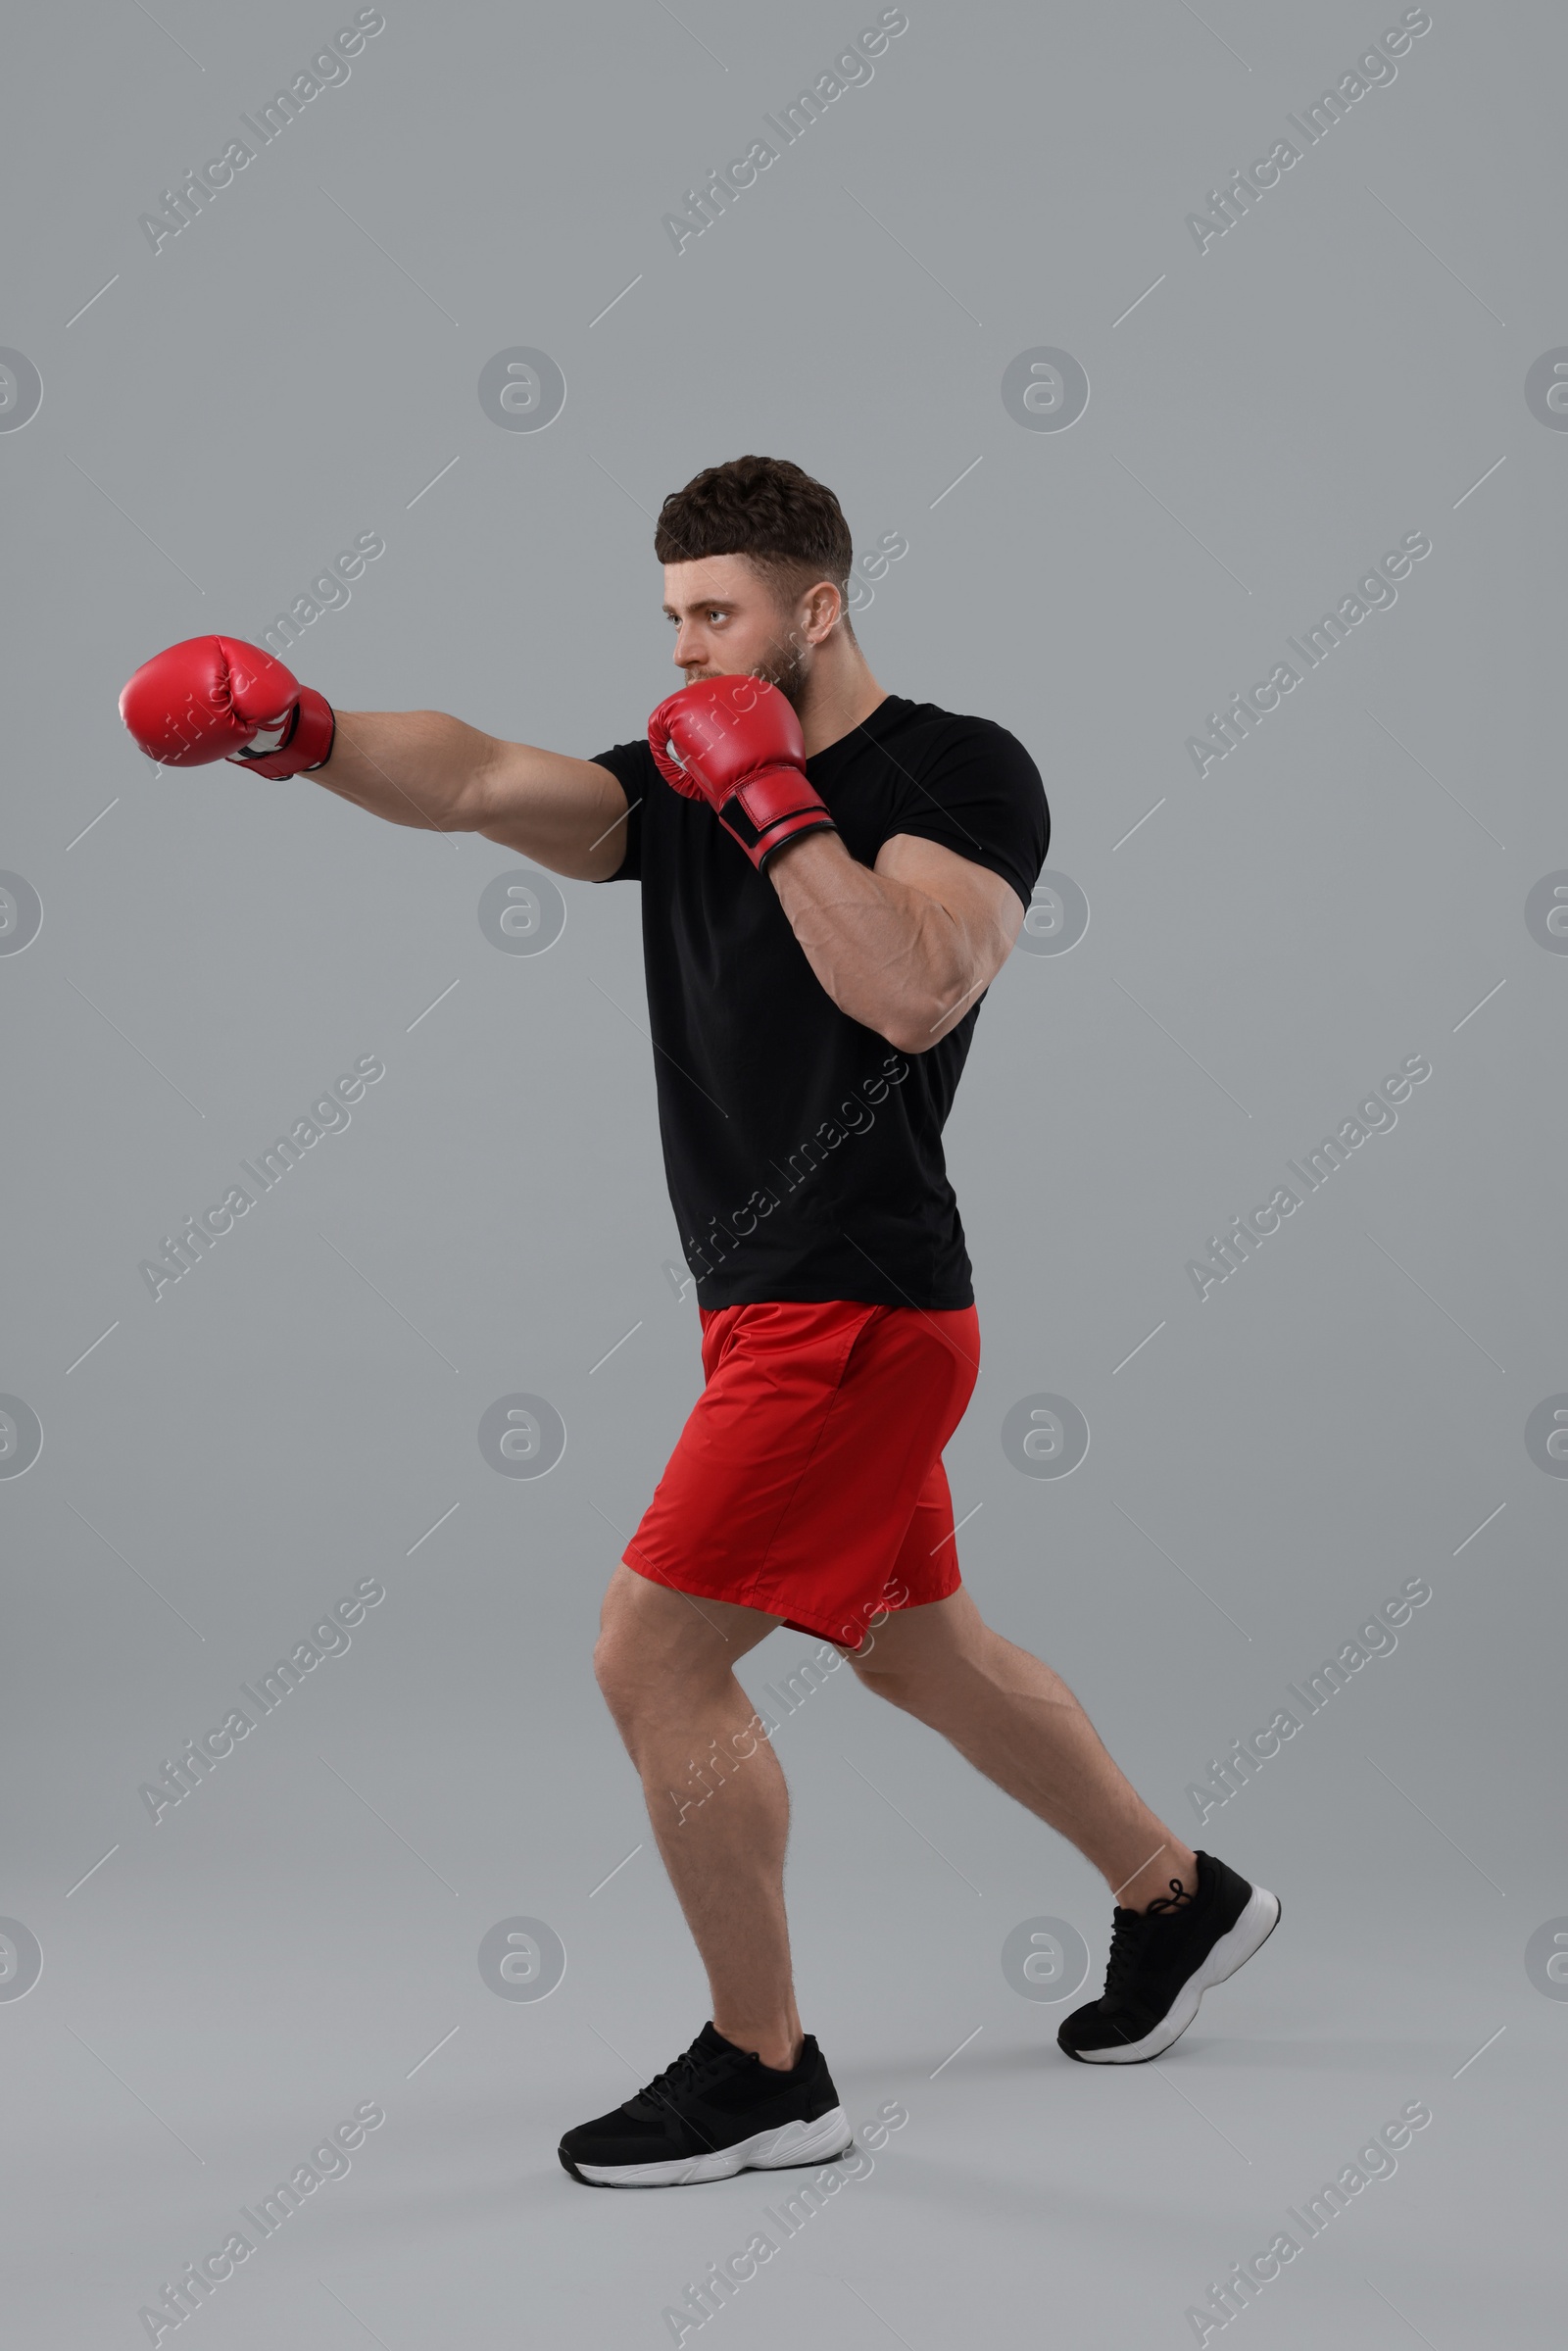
(807, 1482)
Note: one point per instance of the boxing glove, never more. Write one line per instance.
(736, 743)
(217, 697)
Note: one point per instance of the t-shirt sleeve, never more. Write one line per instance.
(979, 793)
(631, 764)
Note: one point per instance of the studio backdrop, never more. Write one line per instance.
(1196, 385)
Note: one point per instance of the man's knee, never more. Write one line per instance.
(882, 1675)
(610, 1663)
(645, 1657)
(620, 1659)
(630, 1673)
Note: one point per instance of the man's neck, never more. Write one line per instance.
(835, 703)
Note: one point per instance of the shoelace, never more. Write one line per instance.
(690, 2072)
(1131, 1932)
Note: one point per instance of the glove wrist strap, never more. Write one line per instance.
(771, 808)
(307, 744)
(791, 828)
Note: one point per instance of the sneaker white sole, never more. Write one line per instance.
(770, 2151)
(1234, 1949)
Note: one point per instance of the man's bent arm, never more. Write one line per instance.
(905, 947)
(425, 769)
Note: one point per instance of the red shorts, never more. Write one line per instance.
(807, 1482)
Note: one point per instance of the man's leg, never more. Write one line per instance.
(715, 1793)
(1017, 1722)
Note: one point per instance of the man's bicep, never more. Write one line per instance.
(569, 815)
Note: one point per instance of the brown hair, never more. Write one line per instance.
(790, 527)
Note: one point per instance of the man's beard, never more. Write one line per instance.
(784, 665)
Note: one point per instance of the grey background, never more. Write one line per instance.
(298, 1413)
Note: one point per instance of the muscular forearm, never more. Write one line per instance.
(420, 768)
(890, 956)
(416, 767)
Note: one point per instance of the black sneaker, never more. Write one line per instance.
(1162, 1961)
(716, 2111)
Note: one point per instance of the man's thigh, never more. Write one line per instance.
(923, 1643)
(797, 1478)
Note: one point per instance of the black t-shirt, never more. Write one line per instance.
(803, 1154)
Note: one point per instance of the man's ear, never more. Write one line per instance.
(824, 607)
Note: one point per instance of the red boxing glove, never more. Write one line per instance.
(217, 697)
(736, 743)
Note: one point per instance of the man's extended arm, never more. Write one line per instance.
(422, 768)
(218, 698)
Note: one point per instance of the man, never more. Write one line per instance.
(831, 878)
